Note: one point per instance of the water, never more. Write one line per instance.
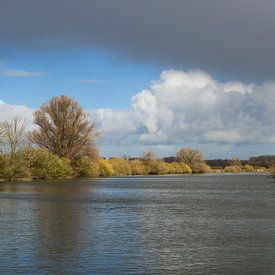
(215, 224)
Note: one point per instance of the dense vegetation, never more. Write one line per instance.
(266, 161)
(63, 144)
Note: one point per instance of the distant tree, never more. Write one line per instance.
(1, 136)
(13, 134)
(235, 161)
(218, 162)
(170, 159)
(266, 161)
(148, 156)
(64, 129)
(189, 156)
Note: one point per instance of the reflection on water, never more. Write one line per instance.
(216, 224)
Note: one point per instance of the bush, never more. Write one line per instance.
(261, 169)
(45, 165)
(248, 168)
(173, 168)
(120, 166)
(200, 167)
(179, 168)
(233, 169)
(156, 167)
(13, 167)
(88, 168)
(105, 168)
(137, 168)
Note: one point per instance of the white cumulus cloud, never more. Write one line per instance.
(192, 107)
(7, 111)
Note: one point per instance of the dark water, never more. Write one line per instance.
(217, 224)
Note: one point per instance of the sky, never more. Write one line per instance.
(153, 74)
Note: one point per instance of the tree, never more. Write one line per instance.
(13, 133)
(1, 136)
(148, 156)
(63, 128)
(189, 156)
(235, 162)
(266, 161)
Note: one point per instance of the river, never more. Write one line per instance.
(200, 224)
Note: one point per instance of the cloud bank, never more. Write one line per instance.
(192, 107)
(183, 108)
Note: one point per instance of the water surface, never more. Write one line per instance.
(213, 224)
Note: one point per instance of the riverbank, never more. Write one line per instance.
(37, 163)
(76, 178)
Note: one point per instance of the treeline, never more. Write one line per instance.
(39, 163)
(62, 143)
(234, 165)
(266, 161)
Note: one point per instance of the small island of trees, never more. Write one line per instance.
(62, 144)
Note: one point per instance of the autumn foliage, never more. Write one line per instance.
(63, 144)
(64, 129)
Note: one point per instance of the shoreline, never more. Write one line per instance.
(26, 180)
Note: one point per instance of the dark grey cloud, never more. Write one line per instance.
(233, 38)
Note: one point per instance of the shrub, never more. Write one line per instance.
(233, 169)
(200, 167)
(105, 168)
(248, 168)
(88, 167)
(13, 167)
(156, 167)
(44, 164)
(137, 168)
(179, 168)
(174, 168)
(261, 169)
(120, 166)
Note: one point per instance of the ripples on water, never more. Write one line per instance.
(216, 224)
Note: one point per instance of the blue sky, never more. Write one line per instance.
(96, 78)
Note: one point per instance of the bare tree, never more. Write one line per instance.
(13, 133)
(1, 136)
(64, 129)
(235, 161)
(189, 156)
(148, 156)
